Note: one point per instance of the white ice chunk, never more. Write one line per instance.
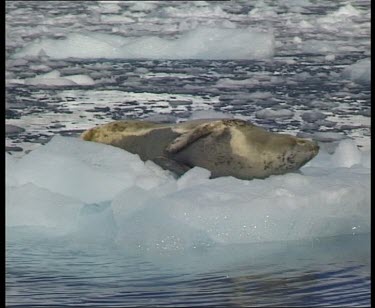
(258, 95)
(10, 163)
(16, 62)
(195, 176)
(200, 43)
(297, 40)
(14, 81)
(145, 207)
(346, 11)
(210, 114)
(30, 205)
(83, 80)
(330, 57)
(323, 136)
(335, 19)
(40, 67)
(274, 114)
(265, 12)
(95, 223)
(142, 6)
(359, 72)
(108, 7)
(116, 19)
(96, 172)
(346, 154)
(54, 78)
(228, 211)
(52, 74)
(59, 82)
(232, 83)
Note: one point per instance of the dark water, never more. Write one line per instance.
(324, 272)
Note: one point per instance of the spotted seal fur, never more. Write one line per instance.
(226, 147)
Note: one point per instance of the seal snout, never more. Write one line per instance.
(316, 148)
(313, 147)
(309, 146)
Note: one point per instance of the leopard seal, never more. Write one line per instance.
(226, 147)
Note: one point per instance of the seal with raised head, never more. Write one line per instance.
(226, 147)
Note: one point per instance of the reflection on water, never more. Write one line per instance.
(330, 271)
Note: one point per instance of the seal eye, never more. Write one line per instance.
(301, 142)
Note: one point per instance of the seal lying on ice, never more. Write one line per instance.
(226, 147)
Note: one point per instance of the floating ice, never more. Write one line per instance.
(347, 154)
(274, 114)
(265, 12)
(313, 116)
(324, 105)
(40, 67)
(108, 7)
(200, 43)
(258, 95)
(52, 74)
(17, 62)
(359, 72)
(69, 158)
(297, 40)
(197, 11)
(330, 57)
(321, 46)
(90, 190)
(54, 78)
(116, 19)
(56, 82)
(193, 177)
(343, 12)
(210, 114)
(13, 129)
(347, 10)
(161, 118)
(233, 83)
(9, 167)
(323, 136)
(82, 80)
(142, 6)
(33, 206)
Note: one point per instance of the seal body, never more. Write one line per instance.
(226, 147)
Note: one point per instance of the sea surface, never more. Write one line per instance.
(323, 272)
(304, 76)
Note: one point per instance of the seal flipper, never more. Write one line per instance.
(171, 165)
(189, 137)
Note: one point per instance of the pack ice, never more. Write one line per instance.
(199, 43)
(90, 191)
